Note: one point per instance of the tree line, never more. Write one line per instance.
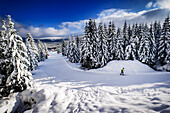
(99, 45)
(17, 59)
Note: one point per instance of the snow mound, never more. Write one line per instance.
(114, 67)
(131, 67)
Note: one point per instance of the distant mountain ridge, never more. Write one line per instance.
(46, 40)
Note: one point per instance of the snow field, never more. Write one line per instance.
(68, 89)
(66, 97)
(59, 86)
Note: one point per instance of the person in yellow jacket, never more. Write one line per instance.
(122, 71)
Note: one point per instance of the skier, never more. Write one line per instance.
(122, 71)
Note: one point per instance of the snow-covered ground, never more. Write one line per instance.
(59, 86)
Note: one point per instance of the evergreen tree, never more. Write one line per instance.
(85, 50)
(90, 47)
(41, 51)
(63, 50)
(4, 41)
(119, 46)
(157, 34)
(152, 45)
(4, 62)
(15, 69)
(32, 52)
(74, 53)
(136, 36)
(129, 33)
(144, 44)
(68, 47)
(130, 51)
(111, 41)
(125, 36)
(71, 54)
(95, 46)
(77, 46)
(103, 57)
(164, 43)
(78, 42)
(113, 51)
(45, 50)
(92, 36)
(106, 30)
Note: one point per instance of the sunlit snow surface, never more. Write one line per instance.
(62, 87)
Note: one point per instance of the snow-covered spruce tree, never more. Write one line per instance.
(103, 56)
(113, 51)
(106, 30)
(30, 58)
(125, 36)
(45, 50)
(15, 69)
(119, 45)
(92, 36)
(89, 54)
(68, 47)
(41, 51)
(129, 30)
(136, 35)
(144, 47)
(130, 51)
(4, 62)
(71, 54)
(32, 52)
(78, 42)
(157, 34)
(110, 37)
(74, 52)
(152, 48)
(164, 43)
(63, 49)
(95, 48)
(85, 50)
(4, 41)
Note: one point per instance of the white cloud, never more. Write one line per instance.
(149, 5)
(119, 14)
(77, 24)
(116, 15)
(162, 4)
(107, 12)
(44, 32)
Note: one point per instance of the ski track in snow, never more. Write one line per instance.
(61, 87)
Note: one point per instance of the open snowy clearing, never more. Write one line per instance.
(62, 87)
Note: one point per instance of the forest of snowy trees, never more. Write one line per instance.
(17, 59)
(99, 45)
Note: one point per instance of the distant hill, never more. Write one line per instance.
(47, 40)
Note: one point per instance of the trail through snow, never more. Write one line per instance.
(62, 87)
(58, 68)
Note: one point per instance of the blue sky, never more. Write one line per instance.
(53, 12)
(58, 18)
